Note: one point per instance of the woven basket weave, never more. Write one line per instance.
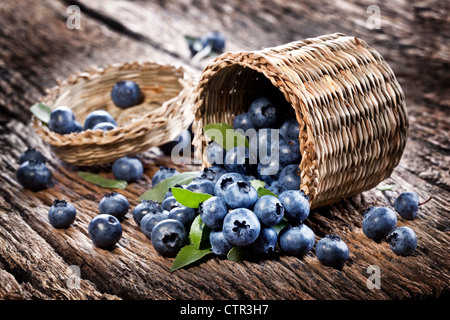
(166, 110)
(350, 108)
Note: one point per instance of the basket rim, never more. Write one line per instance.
(158, 117)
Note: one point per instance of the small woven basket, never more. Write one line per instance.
(349, 105)
(166, 110)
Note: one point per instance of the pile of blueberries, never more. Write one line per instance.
(235, 213)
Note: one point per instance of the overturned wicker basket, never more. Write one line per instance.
(351, 110)
(166, 110)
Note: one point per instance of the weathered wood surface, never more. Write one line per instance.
(37, 49)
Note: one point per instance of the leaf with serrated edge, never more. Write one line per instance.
(159, 191)
(188, 255)
(102, 181)
(188, 198)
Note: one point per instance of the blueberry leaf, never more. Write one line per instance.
(225, 136)
(199, 233)
(281, 225)
(188, 198)
(236, 253)
(41, 111)
(102, 181)
(159, 191)
(188, 255)
(386, 188)
(265, 192)
(257, 184)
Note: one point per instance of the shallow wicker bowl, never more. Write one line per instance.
(349, 105)
(166, 110)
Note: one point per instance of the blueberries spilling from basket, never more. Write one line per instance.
(247, 202)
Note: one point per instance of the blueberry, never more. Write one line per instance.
(150, 220)
(269, 169)
(265, 243)
(241, 194)
(212, 173)
(289, 151)
(181, 142)
(204, 186)
(407, 205)
(168, 237)
(33, 175)
(105, 126)
(267, 140)
(126, 93)
(237, 160)
(78, 127)
(225, 181)
(169, 203)
(219, 245)
(296, 205)
(290, 129)
(213, 211)
(241, 227)
(216, 40)
(98, 116)
(269, 210)
(296, 240)
(215, 154)
(332, 251)
(62, 120)
(183, 214)
(379, 222)
(276, 188)
(243, 122)
(61, 214)
(105, 230)
(128, 168)
(263, 114)
(31, 154)
(114, 204)
(169, 192)
(403, 241)
(290, 177)
(162, 174)
(145, 207)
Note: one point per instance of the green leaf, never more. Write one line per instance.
(257, 184)
(387, 187)
(199, 233)
(225, 136)
(265, 192)
(41, 111)
(102, 181)
(236, 253)
(281, 225)
(188, 198)
(159, 191)
(188, 255)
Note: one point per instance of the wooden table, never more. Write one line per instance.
(37, 49)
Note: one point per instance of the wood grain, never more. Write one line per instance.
(37, 49)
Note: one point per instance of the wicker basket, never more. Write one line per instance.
(166, 110)
(351, 110)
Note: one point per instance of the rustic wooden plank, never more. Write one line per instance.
(34, 257)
